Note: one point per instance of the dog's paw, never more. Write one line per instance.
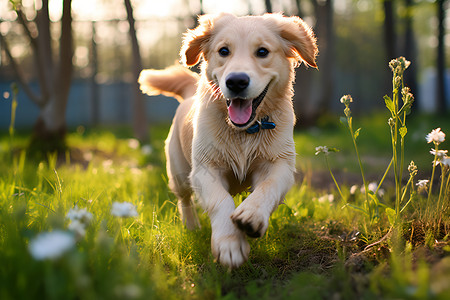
(230, 250)
(250, 221)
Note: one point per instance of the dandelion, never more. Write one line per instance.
(51, 245)
(422, 185)
(321, 149)
(123, 209)
(435, 136)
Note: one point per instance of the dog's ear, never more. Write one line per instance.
(300, 41)
(196, 41)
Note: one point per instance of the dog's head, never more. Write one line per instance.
(249, 60)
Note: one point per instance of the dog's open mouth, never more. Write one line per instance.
(242, 111)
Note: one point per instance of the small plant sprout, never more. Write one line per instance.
(347, 121)
(51, 245)
(325, 150)
(123, 210)
(412, 169)
(15, 92)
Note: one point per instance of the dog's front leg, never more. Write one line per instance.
(228, 244)
(271, 183)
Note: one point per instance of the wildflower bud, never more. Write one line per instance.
(412, 168)
(346, 100)
(409, 99)
(393, 64)
(397, 81)
(347, 112)
(403, 63)
(321, 149)
(405, 90)
(391, 122)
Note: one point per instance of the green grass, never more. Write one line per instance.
(310, 251)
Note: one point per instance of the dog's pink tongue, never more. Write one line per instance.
(240, 111)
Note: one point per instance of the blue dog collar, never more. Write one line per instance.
(263, 124)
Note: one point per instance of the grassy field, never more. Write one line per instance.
(315, 247)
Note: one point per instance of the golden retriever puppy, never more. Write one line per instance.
(233, 130)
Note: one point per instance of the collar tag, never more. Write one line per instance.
(263, 124)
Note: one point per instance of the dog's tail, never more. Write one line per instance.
(175, 81)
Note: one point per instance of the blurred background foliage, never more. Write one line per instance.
(357, 38)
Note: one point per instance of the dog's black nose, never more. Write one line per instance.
(237, 82)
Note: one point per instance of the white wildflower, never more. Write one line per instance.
(129, 291)
(146, 150)
(321, 149)
(79, 218)
(78, 228)
(51, 245)
(123, 209)
(372, 187)
(107, 163)
(422, 184)
(439, 153)
(326, 198)
(133, 144)
(353, 189)
(79, 214)
(346, 99)
(435, 136)
(445, 161)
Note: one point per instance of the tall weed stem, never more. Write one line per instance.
(15, 91)
(334, 179)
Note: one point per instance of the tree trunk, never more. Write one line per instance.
(311, 102)
(441, 101)
(268, 6)
(54, 83)
(51, 124)
(389, 30)
(95, 95)
(139, 117)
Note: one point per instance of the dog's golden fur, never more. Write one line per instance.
(208, 150)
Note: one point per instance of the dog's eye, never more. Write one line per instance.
(224, 51)
(262, 52)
